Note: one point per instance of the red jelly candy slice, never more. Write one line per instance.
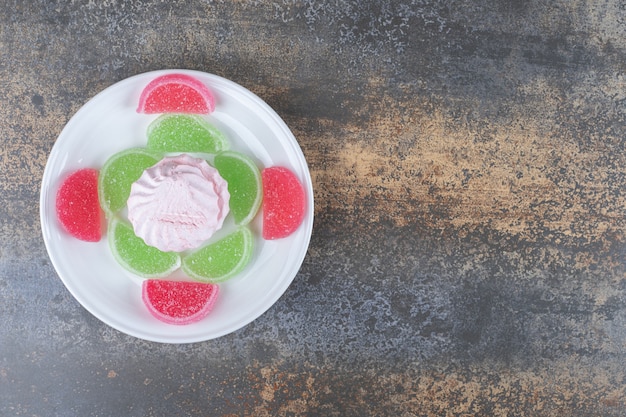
(78, 207)
(178, 302)
(176, 93)
(284, 202)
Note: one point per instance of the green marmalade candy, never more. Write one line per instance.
(244, 184)
(184, 133)
(118, 174)
(137, 257)
(222, 259)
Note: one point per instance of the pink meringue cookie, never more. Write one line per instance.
(178, 203)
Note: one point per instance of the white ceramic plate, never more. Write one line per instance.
(109, 123)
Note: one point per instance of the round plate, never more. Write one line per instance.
(109, 123)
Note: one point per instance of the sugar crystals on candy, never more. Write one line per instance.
(284, 202)
(176, 93)
(77, 205)
(119, 172)
(133, 254)
(178, 302)
(185, 133)
(222, 259)
(244, 184)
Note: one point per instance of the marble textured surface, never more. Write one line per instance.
(468, 254)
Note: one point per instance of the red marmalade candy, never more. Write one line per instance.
(284, 202)
(77, 205)
(176, 93)
(178, 302)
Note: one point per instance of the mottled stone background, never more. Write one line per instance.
(468, 254)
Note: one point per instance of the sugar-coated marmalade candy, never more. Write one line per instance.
(220, 260)
(244, 184)
(178, 302)
(119, 172)
(133, 254)
(77, 206)
(284, 202)
(176, 93)
(185, 133)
